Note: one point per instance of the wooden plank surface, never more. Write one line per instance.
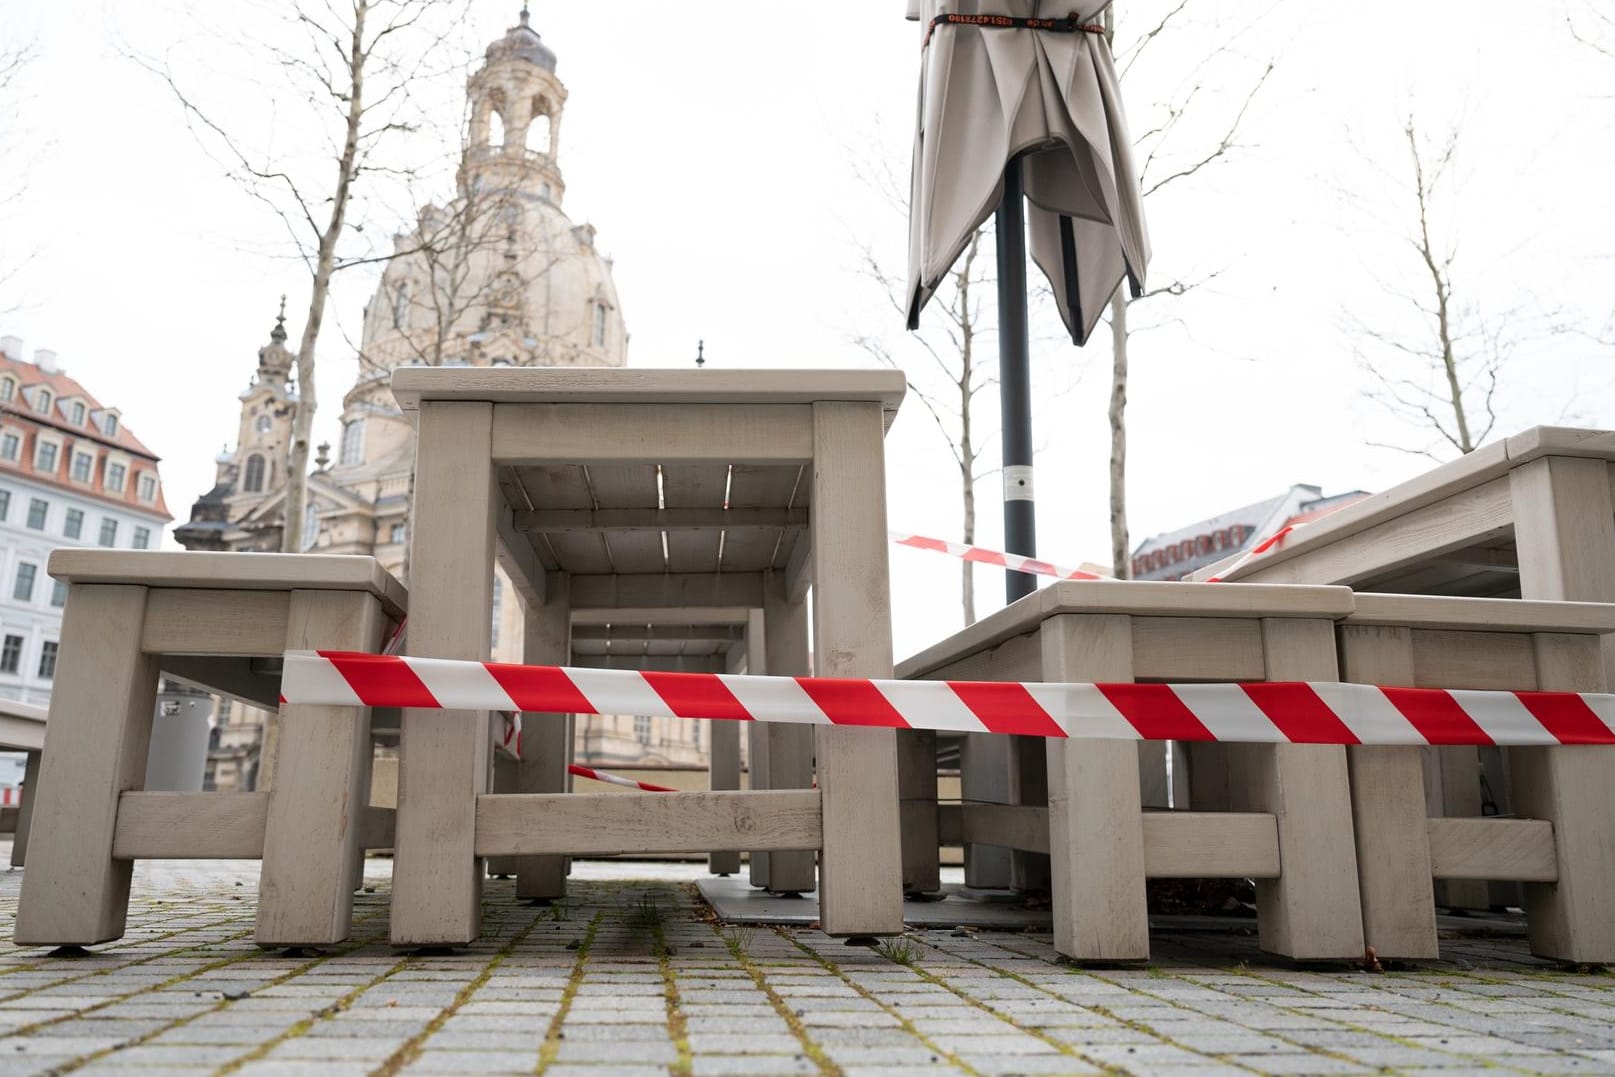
(211, 622)
(191, 826)
(667, 434)
(667, 822)
(1223, 845)
(1492, 849)
(203, 570)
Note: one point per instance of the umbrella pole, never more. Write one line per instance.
(1015, 382)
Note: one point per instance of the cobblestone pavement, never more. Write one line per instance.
(628, 977)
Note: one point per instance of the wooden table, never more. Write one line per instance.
(625, 494)
(212, 618)
(1290, 827)
(22, 729)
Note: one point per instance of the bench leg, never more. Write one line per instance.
(504, 781)
(916, 785)
(1572, 919)
(1096, 822)
(318, 800)
(1312, 910)
(96, 740)
(25, 810)
(723, 753)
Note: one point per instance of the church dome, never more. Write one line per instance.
(522, 42)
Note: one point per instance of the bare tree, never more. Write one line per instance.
(354, 76)
(1441, 372)
(1593, 27)
(949, 335)
(1167, 163)
(12, 61)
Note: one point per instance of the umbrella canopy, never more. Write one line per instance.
(1019, 80)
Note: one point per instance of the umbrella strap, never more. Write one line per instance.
(1067, 25)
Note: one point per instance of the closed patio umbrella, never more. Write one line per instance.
(1010, 79)
(1020, 99)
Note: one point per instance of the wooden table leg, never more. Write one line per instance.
(861, 885)
(316, 807)
(546, 738)
(723, 752)
(96, 739)
(783, 753)
(445, 754)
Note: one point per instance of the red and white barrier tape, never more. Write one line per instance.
(1260, 713)
(616, 779)
(10, 797)
(981, 555)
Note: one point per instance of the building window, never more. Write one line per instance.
(47, 660)
(45, 457)
(254, 481)
(83, 464)
(600, 325)
(11, 654)
(115, 477)
(263, 424)
(401, 305)
(142, 538)
(75, 523)
(58, 598)
(78, 413)
(397, 534)
(5, 503)
(109, 532)
(38, 509)
(352, 441)
(23, 589)
(148, 488)
(112, 426)
(10, 446)
(642, 729)
(8, 389)
(42, 401)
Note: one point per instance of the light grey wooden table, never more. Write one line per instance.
(631, 498)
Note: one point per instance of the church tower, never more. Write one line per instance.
(516, 103)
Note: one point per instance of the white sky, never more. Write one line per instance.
(717, 150)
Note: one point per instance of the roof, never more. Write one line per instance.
(63, 387)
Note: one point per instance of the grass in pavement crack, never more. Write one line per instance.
(552, 1037)
(411, 1049)
(738, 940)
(908, 1026)
(675, 1016)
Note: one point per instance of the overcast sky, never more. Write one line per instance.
(718, 150)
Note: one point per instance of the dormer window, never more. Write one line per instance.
(116, 473)
(8, 388)
(112, 426)
(599, 324)
(76, 413)
(148, 488)
(42, 401)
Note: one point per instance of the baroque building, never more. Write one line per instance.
(497, 276)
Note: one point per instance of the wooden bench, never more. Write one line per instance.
(606, 494)
(223, 620)
(1561, 841)
(1290, 827)
(22, 729)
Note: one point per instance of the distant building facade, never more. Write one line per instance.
(500, 276)
(71, 474)
(1176, 554)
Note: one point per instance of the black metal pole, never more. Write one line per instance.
(1015, 382)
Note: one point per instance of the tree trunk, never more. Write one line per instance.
(325, 264)
(1120, 546)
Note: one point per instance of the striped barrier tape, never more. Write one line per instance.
(1258, 713)
(615, 779)
(10, 797)
(981, 555)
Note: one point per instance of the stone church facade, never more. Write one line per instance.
(498, 276)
